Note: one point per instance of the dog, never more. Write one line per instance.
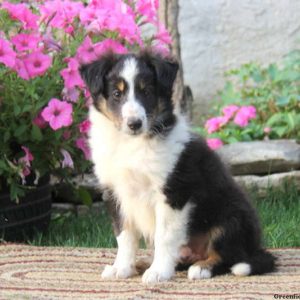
(164, 183)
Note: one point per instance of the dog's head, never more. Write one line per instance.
(133, 91)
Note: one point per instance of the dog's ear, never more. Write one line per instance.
(165, 68)
(93, 74)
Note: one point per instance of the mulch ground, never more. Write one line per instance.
(28, 272)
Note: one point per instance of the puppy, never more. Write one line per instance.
(163, 182)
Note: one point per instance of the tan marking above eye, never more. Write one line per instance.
(121, 85)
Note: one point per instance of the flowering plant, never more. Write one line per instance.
(43, 101)
(258, 103)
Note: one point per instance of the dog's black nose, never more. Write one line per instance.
(134, 124)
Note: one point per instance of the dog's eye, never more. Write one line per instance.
(116, 95)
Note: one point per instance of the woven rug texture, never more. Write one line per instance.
(28, 272)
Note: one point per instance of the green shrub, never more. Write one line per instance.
(273, 90)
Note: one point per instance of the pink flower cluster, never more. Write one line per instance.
(20, 12)
(25, 161)
(61, 14)
(244, 115)
(214, 143)
(240, 115)
(43, 29)
(24, 52)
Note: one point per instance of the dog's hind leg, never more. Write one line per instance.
(143, 264)
(202, 269)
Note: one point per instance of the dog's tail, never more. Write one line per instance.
(261, 262)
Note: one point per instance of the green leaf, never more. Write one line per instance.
(57, 134)
(232, 140)
(36, 133)
(282, 100)
(85, 196)
(291, 120)
(280, 130)
(3, 165)
(275, 119)
(16, 192)
(27, 107)
(17, 110)
(246, 137)
(20, 130)
(272, 71)
(257, 77)
(6, 136)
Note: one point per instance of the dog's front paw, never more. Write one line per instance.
(126, 272)
(196, 272)
(111, 272)
(153, 275)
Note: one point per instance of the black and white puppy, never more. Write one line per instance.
(166, 185)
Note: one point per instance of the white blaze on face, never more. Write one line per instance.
(131, 108)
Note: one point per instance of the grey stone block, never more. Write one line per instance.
(261, 157)
(262, 183)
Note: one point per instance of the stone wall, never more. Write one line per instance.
(218, 35)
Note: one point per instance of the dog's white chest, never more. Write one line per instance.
(136, 175)
(135, 168)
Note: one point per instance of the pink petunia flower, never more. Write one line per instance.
(245, 114)
(32, 65)
(70, 29)
(25, 41)
(87, 51)
(84, 126)
(28, 158)
(39, 121)
(7, 54)
(37, 63)
(148, 8)
(26, 162)
(67, 161)
(23, 14)
(113, 17)
(215, 124)
(71, 74)
(60, 14)
(81, 143)
(214, 143)
(20, 68)
(87, 15)
(230, 110)
(110, 45)
(58, 114)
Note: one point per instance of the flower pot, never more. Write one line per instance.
(19, 222)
